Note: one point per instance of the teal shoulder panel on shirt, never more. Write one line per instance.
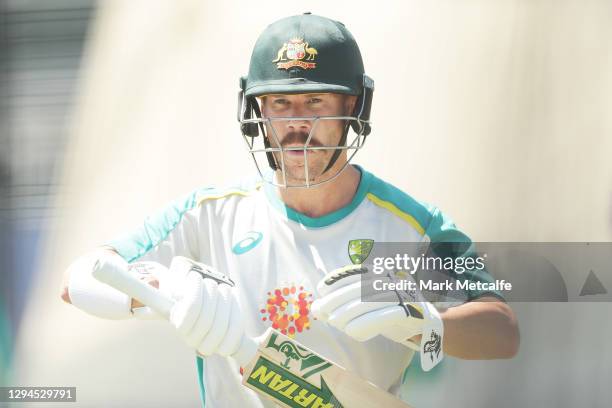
(446, 239)
(388, 196)
(427, 219)
(158, 226)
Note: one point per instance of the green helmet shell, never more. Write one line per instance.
(305, 54)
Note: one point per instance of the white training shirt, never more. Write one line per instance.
(276, 256)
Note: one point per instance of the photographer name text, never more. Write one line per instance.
(448, 285)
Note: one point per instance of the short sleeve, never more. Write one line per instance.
(448, 242)
(170, 232)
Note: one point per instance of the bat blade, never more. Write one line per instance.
(295, 376)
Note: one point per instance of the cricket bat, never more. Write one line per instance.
(273, 364)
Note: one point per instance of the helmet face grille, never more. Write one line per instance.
(267, 151)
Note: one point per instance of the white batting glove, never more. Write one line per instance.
(206, 312)
(340, 305)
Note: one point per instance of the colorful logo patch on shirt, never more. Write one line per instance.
(247, 243)
(359, 250)
(296, 52)
(288, 309)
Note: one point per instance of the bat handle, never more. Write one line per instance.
(128, 283)
(249, 347)
(246, 352)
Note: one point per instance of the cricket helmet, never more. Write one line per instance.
(298, 55)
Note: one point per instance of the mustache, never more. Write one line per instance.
(299, 138)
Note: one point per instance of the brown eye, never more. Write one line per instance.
(314, 100)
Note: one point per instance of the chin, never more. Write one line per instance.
(300, 179)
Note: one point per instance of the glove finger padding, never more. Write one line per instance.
(339, 278)
(206, 312)
(322, 307)
(210, 292)
(400, 323)
(342, 315)
(233, 338)
(390, 319)
(221, 322)
(187, 309)
(396, 314)
(346, 288)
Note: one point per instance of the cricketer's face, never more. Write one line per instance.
(296, 128)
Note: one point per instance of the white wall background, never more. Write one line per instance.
(498, 112)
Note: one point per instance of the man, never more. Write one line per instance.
(281, 239)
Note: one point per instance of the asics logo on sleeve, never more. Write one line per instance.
(247, 243)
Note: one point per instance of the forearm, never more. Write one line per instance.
(480, 330)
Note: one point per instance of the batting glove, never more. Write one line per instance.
(340, 305)
(206, 312)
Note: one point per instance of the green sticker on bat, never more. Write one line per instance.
(283, 386)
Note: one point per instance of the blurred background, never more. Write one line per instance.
(497, 112)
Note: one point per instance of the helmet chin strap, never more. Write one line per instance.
(347, 126)
(336, 154)
(271, 160)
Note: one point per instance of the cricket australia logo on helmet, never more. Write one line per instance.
(296, 52)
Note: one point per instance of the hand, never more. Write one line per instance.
(206, 312)
(86, 293)
(402, 320)
(101, 300)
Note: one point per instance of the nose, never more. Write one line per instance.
(294, 125)
(298, 126)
